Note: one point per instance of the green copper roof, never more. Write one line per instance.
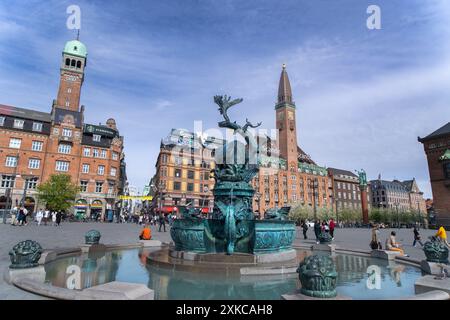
(75, 47)
(445, 156)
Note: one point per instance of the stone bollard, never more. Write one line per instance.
(25, 254)
(318, 277)
(92, 237)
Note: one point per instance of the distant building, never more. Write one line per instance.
(183, 172)
(404, 195)
(437, 149)
(35, 145)
(344, 188)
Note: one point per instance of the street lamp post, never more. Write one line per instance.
(398, 221)
(314, 184)
(337, 211)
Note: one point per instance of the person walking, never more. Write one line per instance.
(162, 222)
(20, 217)
(417, 237)
(25, 214)
(39, 216)
(58, 218)
(54, 218)
(304, 226)
(46, 216)
(332, 226)
(317, 230)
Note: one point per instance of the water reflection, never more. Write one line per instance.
(356, 277)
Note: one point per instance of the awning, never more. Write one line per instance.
(205, 210)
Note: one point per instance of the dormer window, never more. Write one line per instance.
(78, 64)
(18, 124)
(75, 48)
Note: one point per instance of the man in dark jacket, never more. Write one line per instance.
(162, 222)
(317, 230)
(304, 225)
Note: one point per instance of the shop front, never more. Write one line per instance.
(96, 210)
(80, 209)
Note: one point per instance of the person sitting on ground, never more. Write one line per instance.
(375, 243)
(146, 233)
(442, 235)
(393, 245)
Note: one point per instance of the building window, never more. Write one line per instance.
(85, 168)
(37, 126)
(11, 161)
(62, 166)
(66, 132)
(177, 173)
(69, 90)
(177, 185)
(115, 156)
(164, 158)
(113, 172)
(190, 187)
(64, 148)
(18, 124)
(15, 143)
(191, 174)
(32, 183)
(95, 153)
(2, 121)
(8, 181)
(103, 153)
(447, 170)
(101, 170)
(96, 137)
(34, 163)
(67, 103)
(83, 185)
(87, 152)
(98, 187)
(37, 145)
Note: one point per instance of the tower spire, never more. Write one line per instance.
(284, 88)
(78, 35)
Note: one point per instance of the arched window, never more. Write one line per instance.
(73, 63)
(78, 64)
(67, 62)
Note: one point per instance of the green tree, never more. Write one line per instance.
(58, 193)
(301, 212)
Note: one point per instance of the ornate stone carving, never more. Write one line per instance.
(92, 237)
(277, 213)
(318, 277)
(436, 251)
(25, 254)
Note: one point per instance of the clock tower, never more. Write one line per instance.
(286, 126)
(74, 58)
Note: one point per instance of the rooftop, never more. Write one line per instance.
(442, 131)
(24, 113)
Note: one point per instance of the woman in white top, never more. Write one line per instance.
(53, 218)
(39, 216)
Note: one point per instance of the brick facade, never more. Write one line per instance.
(58, 142)
(437, 150)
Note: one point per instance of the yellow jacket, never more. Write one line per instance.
(441, 233)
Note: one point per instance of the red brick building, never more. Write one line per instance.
(35, 145)
(437, 149)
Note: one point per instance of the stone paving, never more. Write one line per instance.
(72, 234)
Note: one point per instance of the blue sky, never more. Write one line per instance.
(363, 96)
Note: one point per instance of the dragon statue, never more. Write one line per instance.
(233, 192)
(318, 277)
(436, 251)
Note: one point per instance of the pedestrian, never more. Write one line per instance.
(304, 226)
(417, 237)
(162, 222)
(442, 236)
(141, 218)
(58, 218)
(332, 226)
(375, 243)
(317, 230)
(25, 214)
(39, 216)
(54, 218)
(20, 216)
(46, 216)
